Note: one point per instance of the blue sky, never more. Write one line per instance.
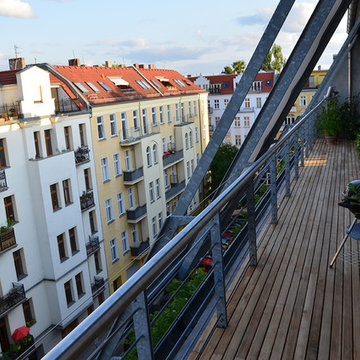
(198, 36)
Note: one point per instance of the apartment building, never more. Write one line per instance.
(148, 133)
(52, 258)
(221, 87)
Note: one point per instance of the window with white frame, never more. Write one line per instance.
(197, 158)
(163, 140)
(217, 120)
(226, 102)
(161, 114)
(168, 208)
(216, 104)
(155, 157)
(105, 169)
(128, 165)
(191, 139)
(157, 188)
(171, 142)
(257, 85)
(246, 121)
(135, 235)
(121, 205)
(177, 112)
(100, 127)
(154, 229)
(182, 111)
(114, 250)
(117, 165)
(237, 121)
(131, 197)
(166, 178)
(151, 191)
(237, 139)
(144, 119)
(195, 108)
(160, 220)
(109, 210)
(290, 119)
(148, 157)
(186, 141)
(247, 102)
(190, 109)
(136, 119)
(153, 115)
(303, 101)
(192, 166)
(113, 126)
(125, 241)
(168, 110)
(188, 169)
(196, 134)
(258, 102)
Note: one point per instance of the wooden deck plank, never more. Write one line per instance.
(292, 305)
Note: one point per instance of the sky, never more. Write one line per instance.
(190, 36)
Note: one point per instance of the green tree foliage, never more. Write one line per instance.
(237, 66)
(274, 60)
(221, 162)
(228, 70)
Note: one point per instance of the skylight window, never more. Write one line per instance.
(92, 86)
(179, 82)
(81, 87)
(188, 82)
(165, 82)
(156, 84)
(143, 84)
(104, 86)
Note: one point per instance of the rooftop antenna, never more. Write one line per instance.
(16, 51)
(73, 53)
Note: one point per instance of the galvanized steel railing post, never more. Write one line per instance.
(307, 138)
(296, 155)
(273, 187)
(142, 328)
(287, 168)
(302, 141)
(219, 280)
(251, 223)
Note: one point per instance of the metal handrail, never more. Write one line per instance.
(86, 332)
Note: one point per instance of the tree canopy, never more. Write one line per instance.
(274, 60)
(221, 162)
(236, 67)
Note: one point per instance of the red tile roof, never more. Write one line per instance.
(8, 77)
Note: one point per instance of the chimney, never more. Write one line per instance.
(108, 63)
(122, 66)
(17, 63)
(74, 62)
(152, 66)
(141, 66)
(136, 66)
(319, 67)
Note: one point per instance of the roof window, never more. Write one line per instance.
(143, 84)
(165, 82)
(179, 82)
(81, 87)
(104, 86)
(122, 84)
(92, 86)
(156, 84)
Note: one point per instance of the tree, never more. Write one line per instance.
(237, 66)
(228, 70)
(274, 60)
(221, 162)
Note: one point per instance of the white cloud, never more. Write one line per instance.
(16, 8)
(298, 17)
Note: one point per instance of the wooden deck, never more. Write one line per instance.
(292, 305)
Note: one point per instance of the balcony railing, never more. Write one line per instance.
(133, 176)
(8, 111)
(135, 134)
(65, 106)
(174, 190)
(143, 246)
(93, 245)
(245, 109)
(13, 298)
(82, 154)
(97, 285)
(7, 239)
(3, 182)
(87, 200)
(136, 214)
(184, 120)
(174, 180)
(173, 156)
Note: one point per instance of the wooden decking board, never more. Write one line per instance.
(292, 305)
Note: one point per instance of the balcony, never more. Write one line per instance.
(134, 135)
(65, 106)
(132, 177)
(244, 109)
(134, 216)
(82, 155)
(172, 156)
(10, 111)
(93, 245)
(210, 110)
(3, 182)
(87, 200)
(7, 239)
(12, 299)
(97, 285)
(175, 189)
(184, 120)
(141, 249)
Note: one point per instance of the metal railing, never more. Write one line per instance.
(93, 245)
(7, 239)
(82, 154)
(87, 200)
(14, 297)
(133, 298)
(135, 134)
(65, 106)
(8, 111)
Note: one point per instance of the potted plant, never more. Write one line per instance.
(329, 121)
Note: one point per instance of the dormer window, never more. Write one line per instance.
(166, 83)
(81, 87)
(122, 84)
(92, 86)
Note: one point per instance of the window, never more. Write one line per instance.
(37, 93)
(290, 119)
(92, 86)
(28, 312)
(67, 192)
(228, 139)
(156, 84)
(186, 141)
(9, 203)
(188, 169)
(154, 229)
(237, 122)
(155, 154)
(92, 221)
(157, 188)
(81, 87)
(161, 114)
(226, 102)
(168, 109)
(217, 120)
(151, 191)
(197, 158)
(166, 177)
(120, 201)
(237, 140)
(97, 260)
(257, 86)
(82, 134)
(176, 112)
(131, 198)
(54, 197)
(163, 140)
(67, 131)
(104, 86)
(171, 142)
(182, 112)
(143, 84)
(61, 247)
(145, 121)
(311, 82)
(195, 108)
(192, 166)
(135, 235)
(258, 102)
(160, 220)
(128, 164)
(19, 264)
(109, 210)
(87, 178)
(246, 121)
(190, 109)
(196, 134)
(113, 126)
(79, 285)
(168, 208)
(125, 241)
(153, 115)
(191, 139)
(216, 104)
(100, 127)
(114, 250)
(48, 142)
(148, 156)
(117, 166)
(37, 149)
(136, 119)
(105, 169)
(247, 102)
(73, 240)
(68, 293)
(303, 101)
